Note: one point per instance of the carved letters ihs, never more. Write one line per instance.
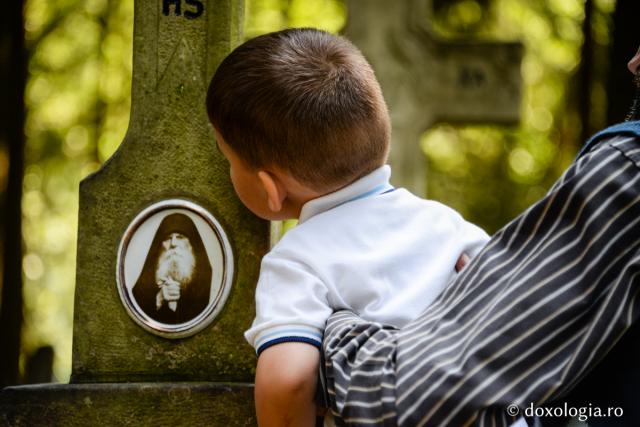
(193, 8)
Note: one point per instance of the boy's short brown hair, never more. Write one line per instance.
(304, 101)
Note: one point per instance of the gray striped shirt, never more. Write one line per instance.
(544, 302)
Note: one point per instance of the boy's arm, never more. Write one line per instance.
(286, 378)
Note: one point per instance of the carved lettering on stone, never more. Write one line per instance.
(193, 9)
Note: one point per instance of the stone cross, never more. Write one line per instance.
(167, 256)
(426, 80)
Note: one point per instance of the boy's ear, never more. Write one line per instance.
(276, 192)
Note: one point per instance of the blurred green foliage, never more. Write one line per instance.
(489, 173)
(77, 99)
(264, 16)
(78, 107)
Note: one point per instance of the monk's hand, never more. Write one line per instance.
(170, 291)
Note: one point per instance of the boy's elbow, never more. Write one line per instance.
(285, 385)
(290, 384)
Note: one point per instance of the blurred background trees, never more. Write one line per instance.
(76, 97)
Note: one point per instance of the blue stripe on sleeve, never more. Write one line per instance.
(281, 340)
(283, 332)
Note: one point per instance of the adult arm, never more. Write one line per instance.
(545, 300)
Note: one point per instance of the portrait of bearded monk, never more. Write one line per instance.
(175, 283)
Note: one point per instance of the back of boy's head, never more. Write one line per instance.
(304, 101)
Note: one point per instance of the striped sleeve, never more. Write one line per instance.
(542, 303)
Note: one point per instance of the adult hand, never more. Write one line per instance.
(462, 262)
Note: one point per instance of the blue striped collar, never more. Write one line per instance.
(630, 128)
(376, 182)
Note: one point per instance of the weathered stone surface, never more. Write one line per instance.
(426, 80)
(135, 404)
(168, 152)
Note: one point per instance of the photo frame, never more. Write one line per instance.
(174, 268)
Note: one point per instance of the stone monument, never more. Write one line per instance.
(426, 80)
(167, 256)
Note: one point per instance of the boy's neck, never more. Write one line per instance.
(375, 182)
(298, 195)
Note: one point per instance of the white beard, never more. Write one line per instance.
(177, 264)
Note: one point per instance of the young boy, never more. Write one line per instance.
(300, 117)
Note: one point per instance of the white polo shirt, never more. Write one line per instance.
(378, 251)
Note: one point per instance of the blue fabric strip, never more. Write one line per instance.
(368, 193)
(622, 129)
(281, 340)
(309, 331)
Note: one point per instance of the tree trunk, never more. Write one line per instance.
(12, 84)
(585, 73)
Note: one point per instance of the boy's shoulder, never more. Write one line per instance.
(398, 209)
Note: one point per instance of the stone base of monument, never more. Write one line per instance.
(128, 404)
